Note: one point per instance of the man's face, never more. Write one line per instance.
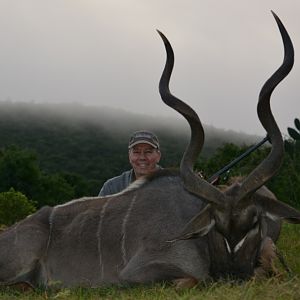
(144, 159)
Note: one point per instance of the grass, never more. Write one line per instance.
(284, 286)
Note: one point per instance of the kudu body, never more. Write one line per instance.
(170, 225)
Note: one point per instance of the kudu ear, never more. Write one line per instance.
(276, 210)
(199, 225)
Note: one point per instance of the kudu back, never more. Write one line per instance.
(169, 225)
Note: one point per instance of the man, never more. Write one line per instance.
(144, 156)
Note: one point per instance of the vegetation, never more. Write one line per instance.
(285, 185)
(92, 142)
(19, 169)
(14, 206)
(290, 175)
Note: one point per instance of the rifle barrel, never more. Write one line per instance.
(236, 160)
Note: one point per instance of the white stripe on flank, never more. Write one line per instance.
(50, 221)
(124, 224)
(102, 214)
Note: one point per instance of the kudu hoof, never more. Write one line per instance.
(185, 283)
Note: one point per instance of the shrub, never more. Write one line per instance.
(14, 206)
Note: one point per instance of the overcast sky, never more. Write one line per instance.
(107, 53)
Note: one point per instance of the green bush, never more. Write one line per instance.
(14, 206)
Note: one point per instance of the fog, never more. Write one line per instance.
(106, 53)
(103, 124)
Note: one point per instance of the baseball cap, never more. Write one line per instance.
(143, 136)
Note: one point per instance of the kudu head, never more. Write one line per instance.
(237, 220)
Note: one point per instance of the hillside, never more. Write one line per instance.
(92, 141)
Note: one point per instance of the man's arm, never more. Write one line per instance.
(106, 189)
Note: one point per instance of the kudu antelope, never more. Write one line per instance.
(170, 225)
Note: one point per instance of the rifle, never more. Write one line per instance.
(214, 178)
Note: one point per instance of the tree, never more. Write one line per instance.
(227, 153)
(19, 169)
(292, 145)
(287, 183)
(53, 189)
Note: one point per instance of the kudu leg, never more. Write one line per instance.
(181, 262)
(22, 247)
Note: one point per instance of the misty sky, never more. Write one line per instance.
(107, 53)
